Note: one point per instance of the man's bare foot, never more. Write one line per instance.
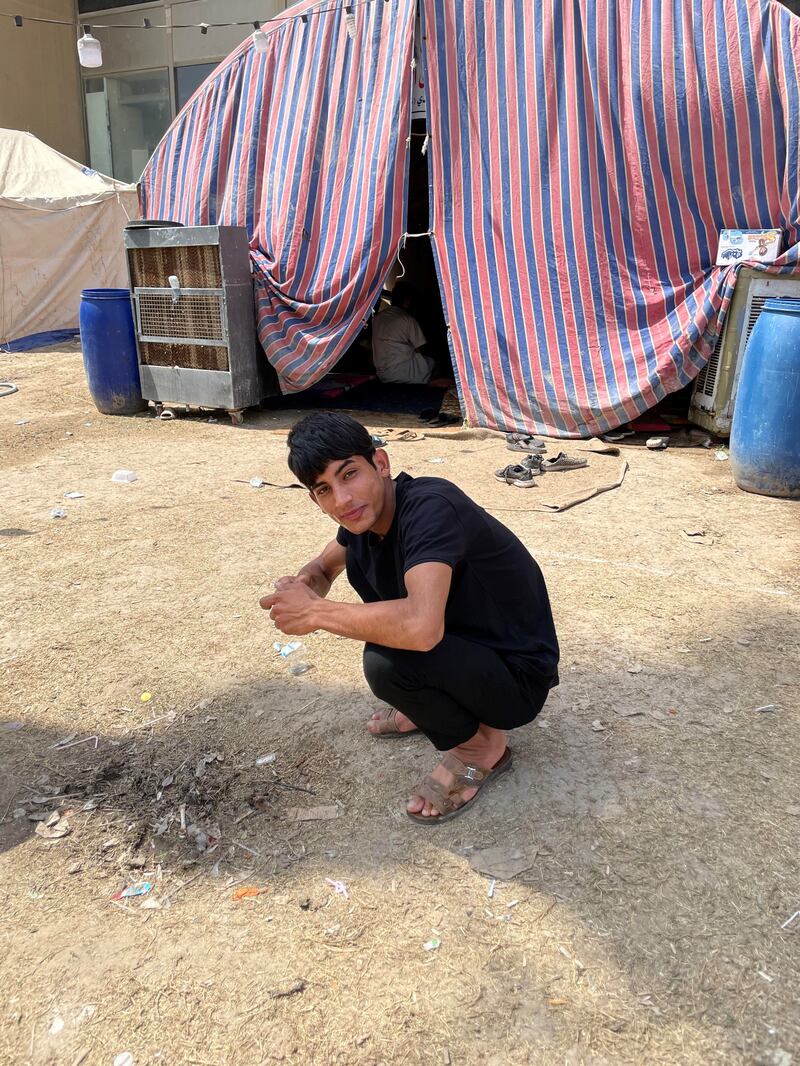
(483, 750)
(400, 723)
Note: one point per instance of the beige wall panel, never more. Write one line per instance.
(191, 46)
(39, 81)
(136, 49)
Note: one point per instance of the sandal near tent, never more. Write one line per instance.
(308, 145)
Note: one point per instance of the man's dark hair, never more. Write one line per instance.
(402, 293)
(319, 439)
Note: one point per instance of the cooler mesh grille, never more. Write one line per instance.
(190, 317)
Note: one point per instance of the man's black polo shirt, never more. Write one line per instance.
(497, 597)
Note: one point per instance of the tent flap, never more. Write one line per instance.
(306, 146)
(584, 157)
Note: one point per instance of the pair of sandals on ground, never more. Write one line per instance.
(523, 473)
(448, 800)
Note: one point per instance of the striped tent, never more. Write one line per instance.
(584, 155)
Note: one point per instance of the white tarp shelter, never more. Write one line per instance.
(60, 231)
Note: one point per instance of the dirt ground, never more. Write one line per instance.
(653, 806)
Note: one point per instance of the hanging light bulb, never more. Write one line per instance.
(350, 23)
(90, 54)
(259, 39)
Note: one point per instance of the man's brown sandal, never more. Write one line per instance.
(387, 727)
(443, 798)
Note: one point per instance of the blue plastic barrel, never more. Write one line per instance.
(109, 351)
(765, 435)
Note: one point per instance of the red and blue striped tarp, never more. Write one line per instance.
(584, 156)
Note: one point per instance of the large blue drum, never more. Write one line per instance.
(109, 351)
(765, 435)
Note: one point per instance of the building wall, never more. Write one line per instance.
(148, 74)
(40, 89)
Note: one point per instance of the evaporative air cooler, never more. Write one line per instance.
(714, 393)
(194, 315)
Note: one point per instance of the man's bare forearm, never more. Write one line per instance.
(392, 623)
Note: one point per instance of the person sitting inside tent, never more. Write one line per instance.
(458, 633)
(397, 343)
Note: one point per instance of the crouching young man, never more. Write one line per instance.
(458, 633)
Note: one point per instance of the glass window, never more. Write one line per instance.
(188, 79)
(127, 115)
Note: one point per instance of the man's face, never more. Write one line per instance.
(353, 492)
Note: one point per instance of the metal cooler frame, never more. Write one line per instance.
(213, 324)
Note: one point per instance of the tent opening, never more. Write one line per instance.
(416, 269)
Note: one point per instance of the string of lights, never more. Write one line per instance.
(90, 50)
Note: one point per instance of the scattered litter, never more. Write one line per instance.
(502, 863)
(203, 839)
(138, 888)
(556, 1002)
(19, 812)
(598, 726)
(56, 1026)
(247, 892)
(697, 536)
(167, 780)
(267, 760)
(295, 652)
(11, 727)
(70, 742)
(765, 976)
(257, 482)
(744, 641)
(125, 1058)
(778, 1057)
(436, 459)
(721, 455)
(146, 697)
(490, 889)
(124, 477)
(23, 422)
(167, 415)
(769, 707)
(58, 512)
(432, 944)
(53, 830)
(625, 712)
(75, 868)
(107, 845)
(206, 760)
(288, 990)
(635, 669)
(150, 905)
(73, 495)
(338, 886)
(789, 921)
(312, 814)
(655, 444)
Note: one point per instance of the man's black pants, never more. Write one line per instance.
(449, 691)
